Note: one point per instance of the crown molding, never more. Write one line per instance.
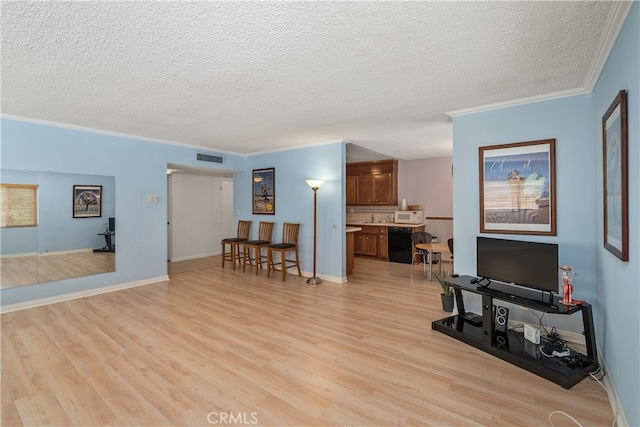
(516, 102)
(116, 134)
(616, 21)
(297, 147)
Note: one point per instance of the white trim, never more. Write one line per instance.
(190, 257)
(614, 401)
(208, 150)
(324, 277)
(516, 102)
(81, 294)
(616, 20)
(297, 147)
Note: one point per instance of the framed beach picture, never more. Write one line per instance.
(264, 191)
(87, 201)
(517, 188)
(614, 161)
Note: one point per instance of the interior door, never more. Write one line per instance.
(227, 228)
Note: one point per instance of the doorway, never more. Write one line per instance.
(199, 212)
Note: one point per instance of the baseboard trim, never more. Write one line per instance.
(81, 294)
(325, 277)
(614, 401)
(190, 257)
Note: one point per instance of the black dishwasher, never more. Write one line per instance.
(400, 246)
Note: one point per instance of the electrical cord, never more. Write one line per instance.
(555, 346)
(566, 415)
(540, 325)
(592, 375)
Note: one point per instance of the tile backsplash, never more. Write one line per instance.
(380, 214)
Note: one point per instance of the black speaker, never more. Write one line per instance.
(501, 318)
(501, 340)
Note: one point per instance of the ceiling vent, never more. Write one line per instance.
(209, 158)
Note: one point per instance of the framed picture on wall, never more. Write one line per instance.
(614, 161)
(264, 191)
(517, 188)
(87, 201)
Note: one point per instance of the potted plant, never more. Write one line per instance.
(446, 296)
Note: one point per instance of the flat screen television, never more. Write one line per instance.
(528, 264)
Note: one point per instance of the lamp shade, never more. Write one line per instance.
(314, 183)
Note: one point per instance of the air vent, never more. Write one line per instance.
(209, 158)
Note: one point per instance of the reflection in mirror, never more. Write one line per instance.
(41, 238)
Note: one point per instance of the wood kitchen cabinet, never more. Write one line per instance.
(351, 182)
(372, 183)
(365, 244)
(372, 241)
(383, 243)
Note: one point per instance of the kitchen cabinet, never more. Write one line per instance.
(350, 248)
(385, 189)
(383, 244)
(372, 241)
(351, 182)
(372, 183)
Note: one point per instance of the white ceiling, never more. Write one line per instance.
(248, 77)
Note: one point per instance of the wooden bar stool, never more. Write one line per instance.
(289, 244)
(234, 243)
(265, 232)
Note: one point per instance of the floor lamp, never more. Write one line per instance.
(314, 184)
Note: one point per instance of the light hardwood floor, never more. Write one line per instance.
(219, 346)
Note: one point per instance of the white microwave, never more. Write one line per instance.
(408, 217)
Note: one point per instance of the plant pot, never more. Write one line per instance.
(447, 302)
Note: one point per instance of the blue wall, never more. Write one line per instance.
(611, 286)
(568, 120)
(617, 282)
(294, 202)
(139, 168)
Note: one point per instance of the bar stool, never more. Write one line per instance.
(265, 232)
(234, 243)
(289, 243)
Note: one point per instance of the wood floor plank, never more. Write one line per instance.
(213, 344)
(8, 409)
(40, 409)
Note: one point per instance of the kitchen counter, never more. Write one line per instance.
(384, 224)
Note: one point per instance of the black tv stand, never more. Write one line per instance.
(473, 318)
(511, 346)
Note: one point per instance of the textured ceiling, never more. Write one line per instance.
(248, 77)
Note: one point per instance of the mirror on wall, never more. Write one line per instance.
(55, 226)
